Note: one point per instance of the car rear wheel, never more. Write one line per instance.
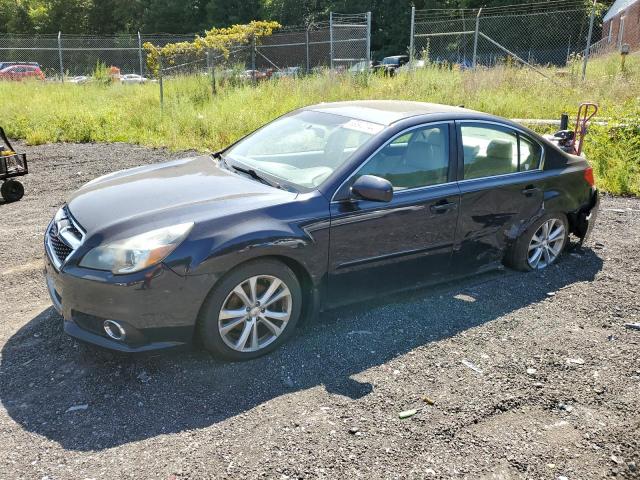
(12, 190)
(541, 244)
(252, 311)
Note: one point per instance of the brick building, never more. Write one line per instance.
(621, 24)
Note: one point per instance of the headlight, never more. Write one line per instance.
(137, 253)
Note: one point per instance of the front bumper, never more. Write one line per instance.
(157, 308)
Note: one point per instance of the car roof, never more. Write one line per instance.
(24, 65)
(387, 112)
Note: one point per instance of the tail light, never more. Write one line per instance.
(588, 176)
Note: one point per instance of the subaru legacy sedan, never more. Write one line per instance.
(327, 205)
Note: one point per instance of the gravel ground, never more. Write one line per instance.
(530, 375)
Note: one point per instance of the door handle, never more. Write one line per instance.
(442, 207)
(530, 190)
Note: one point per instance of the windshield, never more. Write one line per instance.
(304, 148)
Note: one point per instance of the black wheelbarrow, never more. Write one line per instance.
(12, 165)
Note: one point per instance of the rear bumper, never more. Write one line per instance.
(157, 309)
(587, 216)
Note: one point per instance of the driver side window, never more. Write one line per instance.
(418, 158)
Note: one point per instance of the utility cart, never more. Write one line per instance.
(12, 164)
(571, 141)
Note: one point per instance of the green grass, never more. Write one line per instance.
(193, 118)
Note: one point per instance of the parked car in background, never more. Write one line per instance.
(329, 204)
(79, 79)
(132, 78)
(8, 64)
(415, 65)
(287, 72)
(258, 75)
(389, 65)
(362, 66)
(21, 72)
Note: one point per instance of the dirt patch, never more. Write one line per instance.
(554, 391)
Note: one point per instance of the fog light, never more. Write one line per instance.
(114, 330)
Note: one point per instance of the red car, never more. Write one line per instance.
(21, 72)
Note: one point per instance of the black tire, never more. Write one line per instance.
(208, 330)
(12, 191)
(517, 256)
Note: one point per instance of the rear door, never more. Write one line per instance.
(500, 183)
(379, 247)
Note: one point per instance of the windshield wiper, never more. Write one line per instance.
(218, 156)
(247, 171)
(253, 174)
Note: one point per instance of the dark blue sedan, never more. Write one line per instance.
(326, 205)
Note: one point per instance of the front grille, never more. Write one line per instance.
(63, 237)
(74, 230)
(61, 249)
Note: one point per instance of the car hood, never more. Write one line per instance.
(176, 190)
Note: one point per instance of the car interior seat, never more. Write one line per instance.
(424, 161)
(498, 160)
(438, 159)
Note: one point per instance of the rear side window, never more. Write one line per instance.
(492, 150)
(530, 154)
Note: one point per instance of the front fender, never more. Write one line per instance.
(298, 231)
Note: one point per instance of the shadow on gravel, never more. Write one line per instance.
(120, 399)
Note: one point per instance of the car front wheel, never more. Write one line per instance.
(252, 311)
(541, 244)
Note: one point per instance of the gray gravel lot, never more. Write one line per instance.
(554, 391)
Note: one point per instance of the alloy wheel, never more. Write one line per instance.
(546, 244)
(255, 313)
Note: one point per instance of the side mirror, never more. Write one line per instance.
(370, 187)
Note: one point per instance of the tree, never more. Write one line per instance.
(296, 12)
(115, 16)
(222, 13)
(173, 16)
(70, 16)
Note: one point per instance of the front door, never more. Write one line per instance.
(501, 190)
(379, 247)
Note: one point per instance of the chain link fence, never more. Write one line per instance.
(61, 56)
(350, 40)
(341, 43)
(550, 33)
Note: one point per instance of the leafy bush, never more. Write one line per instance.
(614, 152)
(101, 74)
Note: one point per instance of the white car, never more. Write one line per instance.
(362, 66)
(288, 72)
(79, 80)
(412, 65)
(133, 78)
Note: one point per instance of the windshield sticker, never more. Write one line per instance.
(362, 126)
